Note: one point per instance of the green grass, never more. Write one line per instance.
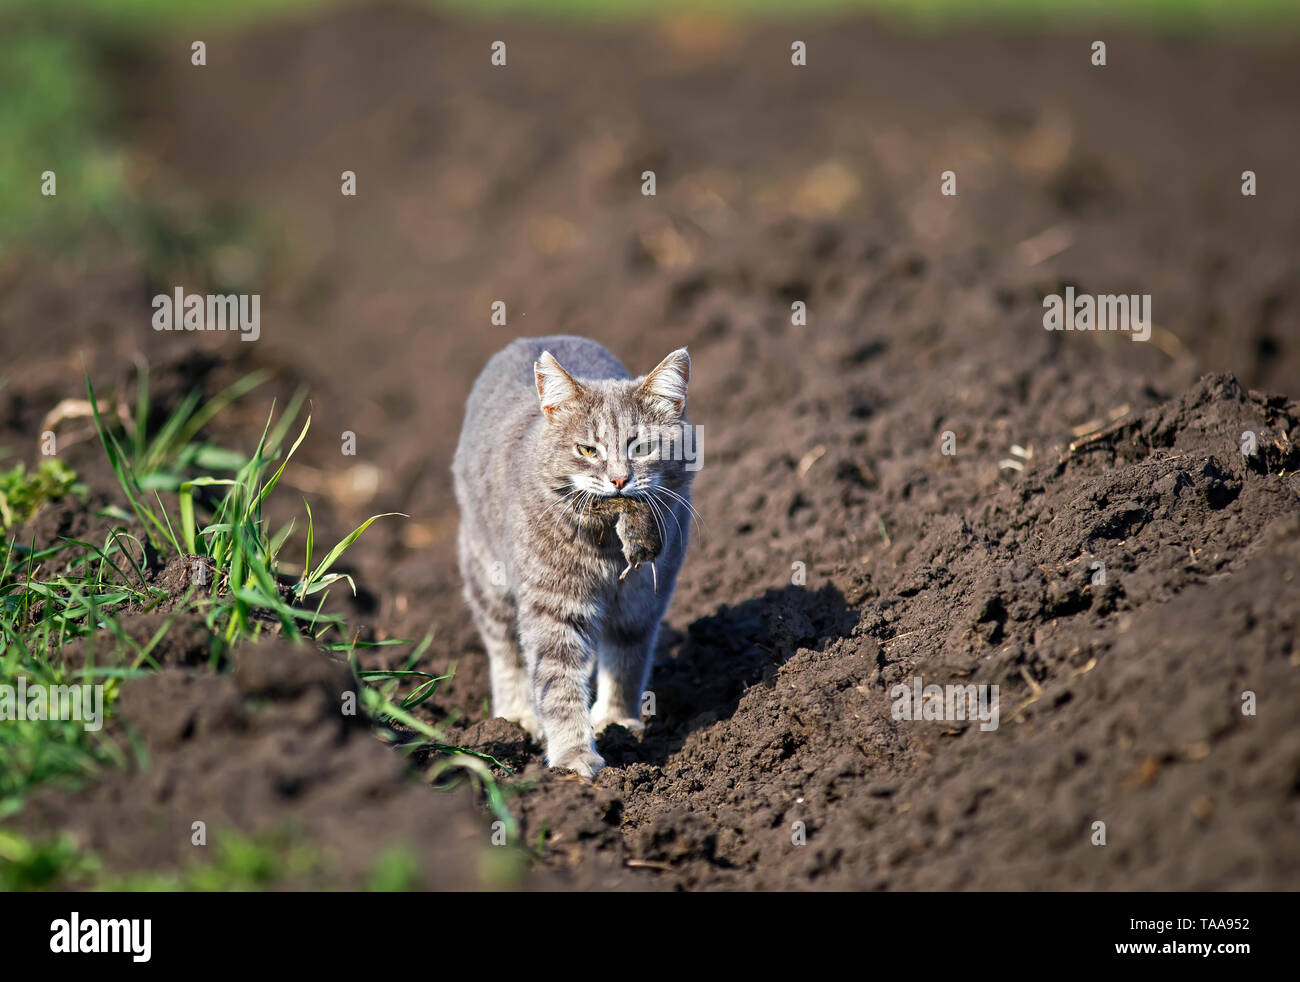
(50, 101)
(233, 862)
(185, 497)
(162, 14)
(21, 493)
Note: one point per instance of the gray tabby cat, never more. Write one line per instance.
(542, 447)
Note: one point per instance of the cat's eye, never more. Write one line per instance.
(586, 451)
(640, 448)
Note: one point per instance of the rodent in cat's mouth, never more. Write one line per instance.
(605, 496)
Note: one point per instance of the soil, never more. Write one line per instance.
(1098, 545)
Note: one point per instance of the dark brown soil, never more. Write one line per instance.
(266, 751)
(842, 552)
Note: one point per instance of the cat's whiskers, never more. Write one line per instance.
(672, 510)
(662, 506)
(695, 515)
(555, 526)
(657, 515)
(567, 500)
(559, 500)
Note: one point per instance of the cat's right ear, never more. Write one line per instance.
(555, 387)
(665, 387)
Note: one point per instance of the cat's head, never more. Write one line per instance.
(616, 436)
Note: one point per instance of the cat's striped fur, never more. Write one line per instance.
(541, 569)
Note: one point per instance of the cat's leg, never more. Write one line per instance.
(627, 643)
(626, 651)
(554, 632)
(493, 610)
(511, 691)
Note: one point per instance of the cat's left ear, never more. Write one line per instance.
(665, 387)
(555, 386)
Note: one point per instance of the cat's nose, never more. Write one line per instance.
(618, 482)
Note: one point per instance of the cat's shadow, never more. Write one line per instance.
(699, 677)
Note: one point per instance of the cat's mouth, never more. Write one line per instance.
(608, 492)
(592, 494)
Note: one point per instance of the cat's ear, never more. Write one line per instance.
(665, 387)
(555, 386)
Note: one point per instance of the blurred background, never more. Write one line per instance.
(775, 184)
(478, 183)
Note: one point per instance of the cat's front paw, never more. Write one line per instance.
(632, 725)
(583, 762)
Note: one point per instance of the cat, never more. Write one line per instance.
(552, 426)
